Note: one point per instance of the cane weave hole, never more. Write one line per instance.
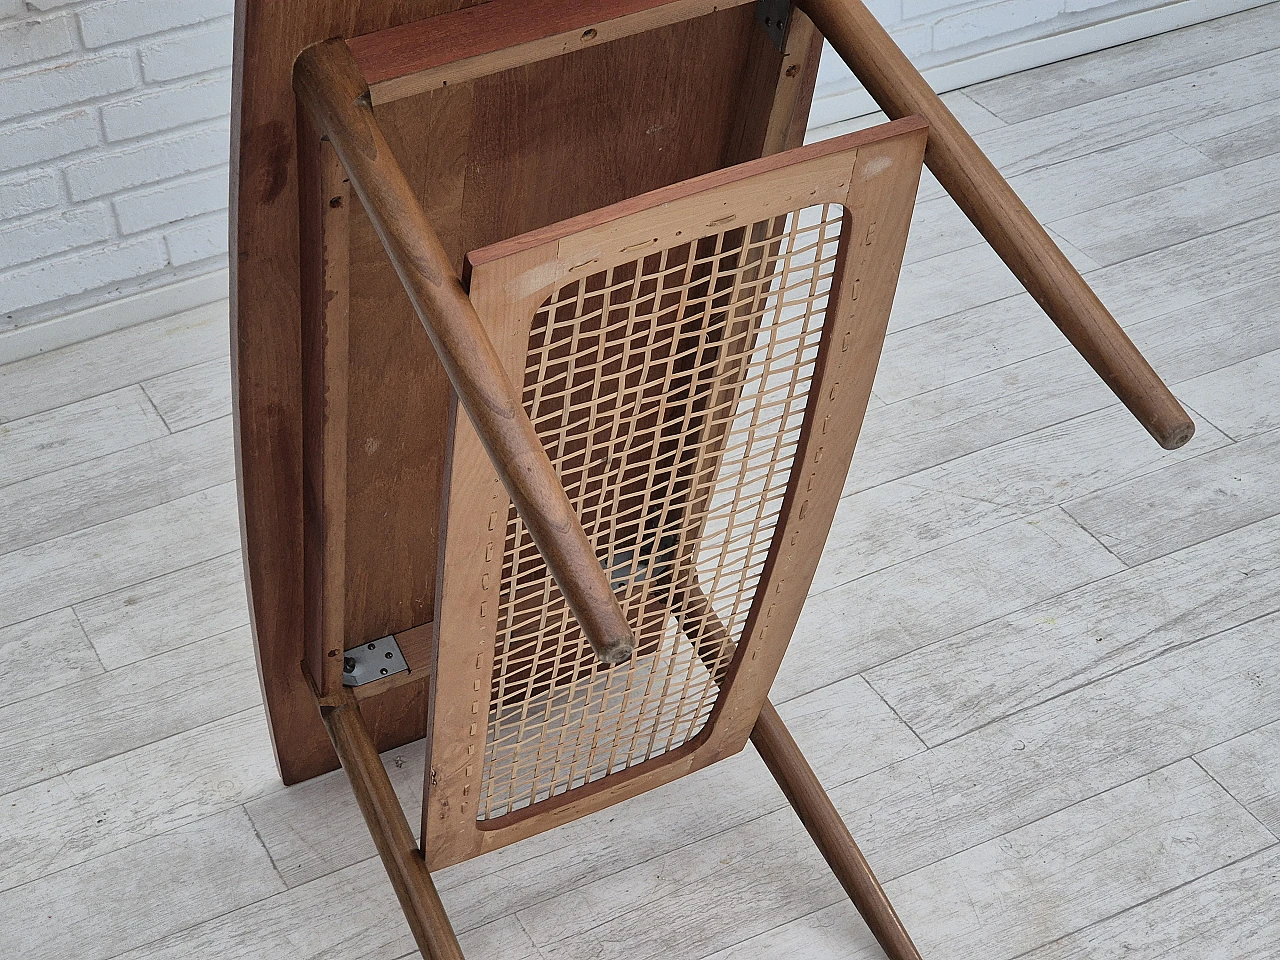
(669, 393)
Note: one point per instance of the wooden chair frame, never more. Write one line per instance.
(345, 149)
(341, 146)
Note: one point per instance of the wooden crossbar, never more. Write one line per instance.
(478, 41)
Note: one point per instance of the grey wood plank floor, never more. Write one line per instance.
(1050, 713)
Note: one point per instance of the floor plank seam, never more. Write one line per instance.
(892, 709)
(1091, 275)
(1066, 349)
(1216, 231)
(1008, 614)
(1196, 413)
(32, 619)
(154, 406)
(1144, 471)
(102, 523)
(265, 848)
(134, 748)
(1111, 144)
(1044, 816)
(1098, 540)
(1159, 654)
(52, 355)
(932, 550)
(97, 655)
(159, 576)
(1142, 903)
(176, 934)
(116, 452)
(1195, 758)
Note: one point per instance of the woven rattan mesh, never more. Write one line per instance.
(669, 393)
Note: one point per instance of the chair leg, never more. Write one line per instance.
(1003, 219)
(391, 833)
(787, 764)
(801, 786)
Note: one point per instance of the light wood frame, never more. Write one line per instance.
(873, 175)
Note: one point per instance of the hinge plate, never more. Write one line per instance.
(775, 16)
(372, 661)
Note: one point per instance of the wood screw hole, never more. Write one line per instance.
(589, 34)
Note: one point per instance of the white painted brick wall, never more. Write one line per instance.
(114, 136)
(114, 130)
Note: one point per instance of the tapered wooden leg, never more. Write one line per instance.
(787, 764)
(385, 818)
(1004, 220)
(800, 784)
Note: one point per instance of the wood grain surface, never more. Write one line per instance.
(489, 159)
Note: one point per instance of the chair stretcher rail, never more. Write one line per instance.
(988, 200)
(328, 83)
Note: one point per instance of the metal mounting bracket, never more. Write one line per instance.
(775, 17)
(372, 661)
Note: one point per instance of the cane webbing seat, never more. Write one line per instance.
(684, 357)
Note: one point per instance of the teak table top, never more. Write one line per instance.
(492, 155)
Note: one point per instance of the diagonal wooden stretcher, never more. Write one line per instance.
(552, 345)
